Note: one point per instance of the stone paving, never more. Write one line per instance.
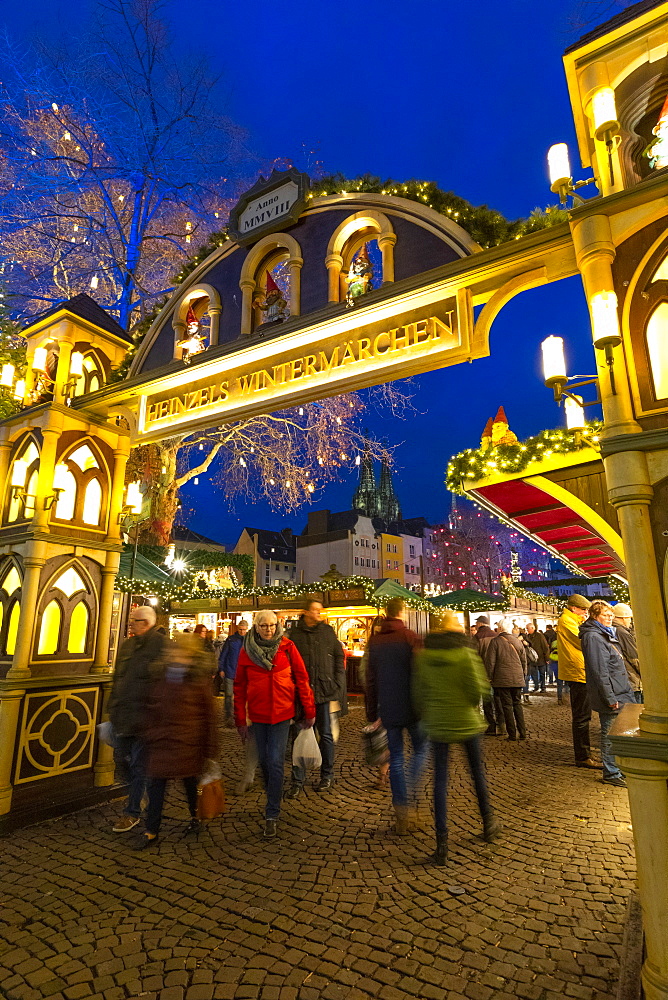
(338, 907)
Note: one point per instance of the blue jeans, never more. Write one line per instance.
(271, 741)
(640, 697)
(228, 688)
(395, 743)
(323, 728)
(532, 675)
(542, 675)
(474, 755)
(610, 769)
(130, 758)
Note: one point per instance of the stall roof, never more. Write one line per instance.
(144, 569)
(390, 588)
(456, 598)
(557, 525)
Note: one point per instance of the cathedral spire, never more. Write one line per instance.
(389, 504)
(365, 497)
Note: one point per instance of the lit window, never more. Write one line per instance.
(76, 642)
(69, 582)
(12, 581)
(67, 499)
(657, 345)
(13, 629)
(84, 458)
(92, 502)
(661, 273)
(49, 632)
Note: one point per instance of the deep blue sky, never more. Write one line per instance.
(470, 95)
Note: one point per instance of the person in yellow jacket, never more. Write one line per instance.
(572, 669)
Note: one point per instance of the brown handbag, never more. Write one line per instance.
(211, 800)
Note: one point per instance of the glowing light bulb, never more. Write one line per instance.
(76, 363)
(7, 376)
(39, 359)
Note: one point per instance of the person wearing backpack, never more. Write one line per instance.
(506, 664)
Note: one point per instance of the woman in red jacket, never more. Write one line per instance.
(270, 672)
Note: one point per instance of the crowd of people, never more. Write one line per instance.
(447, 688)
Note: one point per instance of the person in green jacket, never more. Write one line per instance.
(448, 684)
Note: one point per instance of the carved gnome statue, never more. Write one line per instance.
(193, 340)
(657, 150)
(272, 305)
(360, 275)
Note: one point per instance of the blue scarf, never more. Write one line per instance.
(608, 629)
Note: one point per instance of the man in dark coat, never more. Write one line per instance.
(608, 685)
(323, 655)
(495, 724)
(538, 643)
(389, 698)
(623, 625)
(127, 707)
(227, 667)
(505, 660)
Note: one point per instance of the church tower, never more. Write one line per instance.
(389, 508)
(365, 498)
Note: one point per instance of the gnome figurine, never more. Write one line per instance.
(657, 150)
(359, 277)
(193, 341)
(486, 439)
(272, 305)
(501, 432)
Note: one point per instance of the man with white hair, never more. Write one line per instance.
(127, 704)
(623, 623)
(505, 660)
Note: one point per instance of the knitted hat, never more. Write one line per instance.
(482, 620)
(622, 611)
(578, 601)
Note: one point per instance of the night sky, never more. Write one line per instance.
(467, 95)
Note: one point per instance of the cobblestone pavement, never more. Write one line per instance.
(338, 907)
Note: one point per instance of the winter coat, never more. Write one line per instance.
(229, 655)
(130, 688)
(323, 657)
(180, 732)
(449, 680)
(388, 692)
(506, 661)
(629, 650)
(569, 650)
(539, 644)
(270, 694)
(607, 680)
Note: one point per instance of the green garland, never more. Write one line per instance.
(476, 463)
(187, 591)
(512, 590)
(485, 225)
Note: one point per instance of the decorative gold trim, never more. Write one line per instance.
(57, 703)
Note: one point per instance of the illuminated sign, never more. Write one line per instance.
(322, 361)
(269, 205)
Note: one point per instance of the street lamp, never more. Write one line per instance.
(556, 377)
(606, 127)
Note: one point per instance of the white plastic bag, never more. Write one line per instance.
(211, 773)
(305, 751)
(105, 734)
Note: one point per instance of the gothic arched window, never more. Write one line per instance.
(83, 484)
(67, 611)
(20, 504)
(657, 347)
(10, 606)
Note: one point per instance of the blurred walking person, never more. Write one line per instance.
(389, 698)
(227, 666)
(270, 674)
(608, 685)
(496, 725)
(180, 728)
(448, 683)
(127, 707)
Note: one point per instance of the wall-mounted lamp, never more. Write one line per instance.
(134, 501)
(561, 180)
(60, 484)
(605, 329)
(38, 365)
(7, 382)
(606, 127)
(556, 378)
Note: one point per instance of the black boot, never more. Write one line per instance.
(491, 829)
(441, 855)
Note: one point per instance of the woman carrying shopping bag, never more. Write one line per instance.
(270, 672)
